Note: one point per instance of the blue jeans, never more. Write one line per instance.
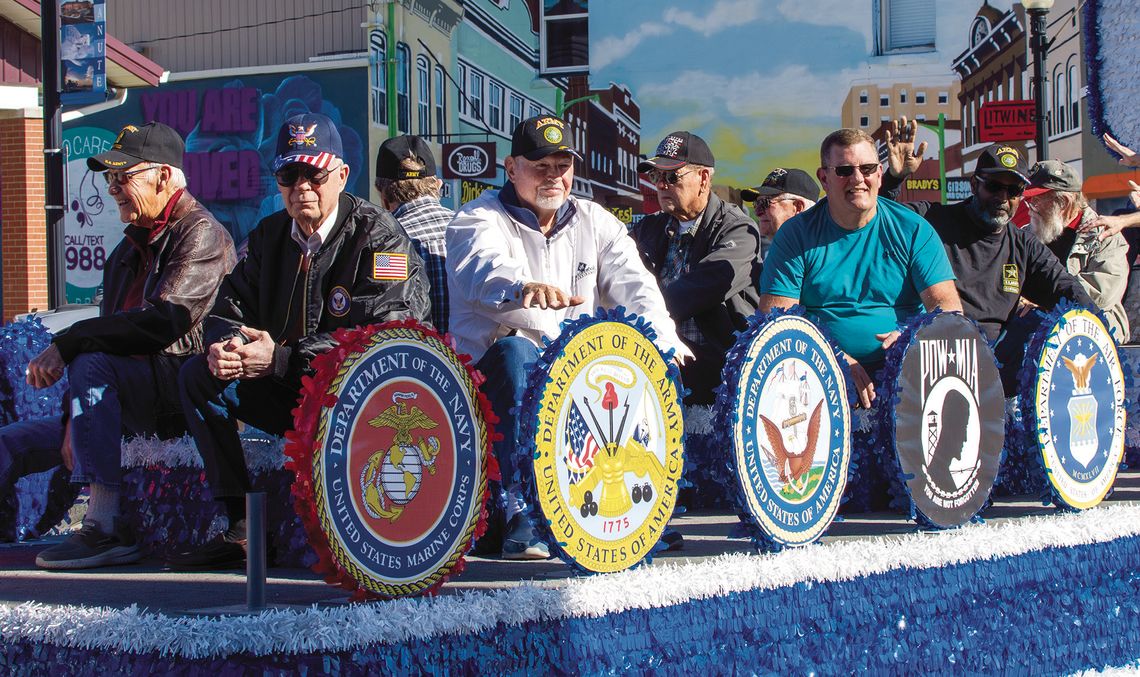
(213, 407)
(505, 367)
(109, 394)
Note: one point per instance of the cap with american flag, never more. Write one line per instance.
(310, 138)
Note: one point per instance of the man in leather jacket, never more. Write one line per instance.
(329, 260)
(158, 285)
(705, 254)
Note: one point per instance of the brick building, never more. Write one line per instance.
(23, 224)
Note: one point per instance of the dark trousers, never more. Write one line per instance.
(213, 407)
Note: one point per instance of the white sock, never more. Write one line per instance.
(103, 507)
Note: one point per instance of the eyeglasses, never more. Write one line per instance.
(121, 178)
(289, 175)
(1011, 189)
(847, 170)
(672, 178)
(764, 203)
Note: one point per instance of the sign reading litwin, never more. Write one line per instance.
(1008, 121)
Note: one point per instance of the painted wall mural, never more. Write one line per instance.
(230, 126)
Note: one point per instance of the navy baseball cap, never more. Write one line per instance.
(310, 138)
(152, 142)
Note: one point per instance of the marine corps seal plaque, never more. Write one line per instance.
(392, 486)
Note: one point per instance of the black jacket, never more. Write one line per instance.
(994, 269)
(190, 257)
(257, 293)
(720, 291)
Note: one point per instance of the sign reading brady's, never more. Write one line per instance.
(792, 430)
(398, 471)
(949, 421)
(609, 447)
(1079, 406)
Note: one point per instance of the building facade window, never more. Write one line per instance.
(863, 98)
(423, 102)
(440, 101)
(864, 121)
(533, 110)
(1060, 103)
(564, 36)
(461, 71)
(884, 100)
(1074, 95)
(920, 98)
(378, 62)
(403, 86)
(943, 98)
(902, 96)
(906, 26)
(495, 105)
(475, 91)
(516, 112)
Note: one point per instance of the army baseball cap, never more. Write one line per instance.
(783, 181)
(1002, 159)
(397, 149)
(542, 135)
(152, 142)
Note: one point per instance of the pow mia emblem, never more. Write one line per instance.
(774, 176)
(1009, 279)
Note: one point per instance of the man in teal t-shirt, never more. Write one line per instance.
(859, 264)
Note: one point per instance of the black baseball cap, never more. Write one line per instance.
(780, 181)
(396, 150)
(152, 142)
(999, 158)
(677, 150)
(310, 138)
(542, 135)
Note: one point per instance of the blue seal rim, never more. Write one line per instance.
(725, 410)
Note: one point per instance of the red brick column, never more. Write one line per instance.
(23, 225)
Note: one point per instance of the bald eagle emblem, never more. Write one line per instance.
(302, 136)
(392, 477)
(792, 464)
(1083, 438)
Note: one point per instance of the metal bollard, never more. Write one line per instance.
(255, 551)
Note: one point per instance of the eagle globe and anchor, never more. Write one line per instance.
(392, 477)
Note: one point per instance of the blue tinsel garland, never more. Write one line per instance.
(528, 410)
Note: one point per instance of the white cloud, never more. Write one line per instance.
(723, 14)
(611, 49)
(793, 91)
(839, 13)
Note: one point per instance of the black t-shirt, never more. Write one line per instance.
(994, 269)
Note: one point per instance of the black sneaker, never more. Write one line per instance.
(92, 547)
(224, 552)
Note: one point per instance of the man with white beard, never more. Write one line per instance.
(1057, 209)
(520, 261)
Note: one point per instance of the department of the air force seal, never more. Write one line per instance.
(608, 445)
(397, 466)
(791, 429)
(949, 421)
(1079, 407)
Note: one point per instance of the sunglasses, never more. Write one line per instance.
(847, 170)
(763, 203)
(1011, 189)
(290, 174)
(121, 178)
(671, 178)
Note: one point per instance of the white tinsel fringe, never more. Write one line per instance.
(262, 452)
(359, 625)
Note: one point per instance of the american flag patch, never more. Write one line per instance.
(389, 266)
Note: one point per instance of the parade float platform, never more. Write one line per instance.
(1030, 590)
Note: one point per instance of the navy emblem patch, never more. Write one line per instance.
(339, 301)
(949, 420)
(791, 429)
(1079, 407)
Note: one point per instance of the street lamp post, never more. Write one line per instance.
(1039, 43)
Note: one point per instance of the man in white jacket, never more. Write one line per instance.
(520, 261)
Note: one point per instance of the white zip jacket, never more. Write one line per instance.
(490, 256)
